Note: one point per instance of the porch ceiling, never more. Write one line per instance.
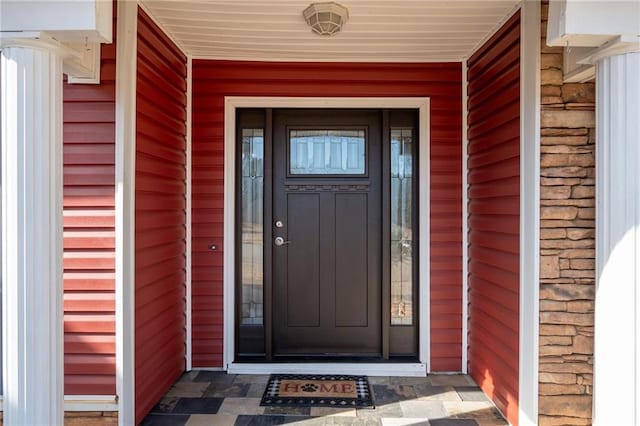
(377, 30)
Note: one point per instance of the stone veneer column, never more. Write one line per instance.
(32, 234)
(567, 245)
(617, 320)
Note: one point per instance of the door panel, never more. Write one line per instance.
(303, 262)
(327, 278)
(351, 260)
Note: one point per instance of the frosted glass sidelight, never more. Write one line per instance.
(327, 152)
(401, 157)
(252, 244)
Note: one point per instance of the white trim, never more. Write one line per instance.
(465, 219)
(241, 57)
(529, 212)
(325, 102)
(85, 70)
(32, 284)
(81, 60)
(369, 369)
(230, 105)
(208, 369)
(90, 403)
(228, 269)
(189, 185)
(174, 40)
(39, 41)
(618, 46)
(498, 26)
(85, 403)
(126, 75)
(424, 231)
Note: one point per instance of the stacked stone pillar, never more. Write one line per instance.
(567, 243)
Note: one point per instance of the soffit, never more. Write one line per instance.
(377, 31)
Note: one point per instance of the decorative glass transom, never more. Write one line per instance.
(327, 152)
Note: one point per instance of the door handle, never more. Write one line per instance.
(279, 241)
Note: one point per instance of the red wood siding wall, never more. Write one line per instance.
(494, 208)
(160, 215)
(213, 80)
(89, 232)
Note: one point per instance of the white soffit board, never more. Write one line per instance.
(64, 20)
(377, 31)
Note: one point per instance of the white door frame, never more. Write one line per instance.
(387, 369)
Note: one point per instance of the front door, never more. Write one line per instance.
(327, 233)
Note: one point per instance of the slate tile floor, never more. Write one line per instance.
(203, 398)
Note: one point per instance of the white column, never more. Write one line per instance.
(32, 235)
(617, 320)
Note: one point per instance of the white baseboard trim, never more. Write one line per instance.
(90, 403)
(207, 369)
(371, 369)
(86, 403)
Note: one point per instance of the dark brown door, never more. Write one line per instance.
(327, 233)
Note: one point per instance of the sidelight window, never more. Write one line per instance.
(252, 236)
(401, 159)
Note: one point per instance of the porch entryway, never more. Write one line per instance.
(216, 398)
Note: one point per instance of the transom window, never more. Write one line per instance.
(327, 152)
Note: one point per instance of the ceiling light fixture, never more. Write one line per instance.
(326, 18)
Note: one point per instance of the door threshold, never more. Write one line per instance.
(361, 369)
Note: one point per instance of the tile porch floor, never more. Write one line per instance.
(215, 398)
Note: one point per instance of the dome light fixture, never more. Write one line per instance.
(326, 19)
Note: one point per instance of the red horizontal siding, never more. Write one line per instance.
(160, 237)
(213, 80)
(89, 232)
(91, 384)
(494, 208)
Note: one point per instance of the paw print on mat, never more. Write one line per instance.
(309, 387)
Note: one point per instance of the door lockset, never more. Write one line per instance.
(279, 241)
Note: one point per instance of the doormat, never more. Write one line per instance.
(305, 390)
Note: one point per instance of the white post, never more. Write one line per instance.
(529, 213)
(617, 320)
(32, 234)
(126, 75)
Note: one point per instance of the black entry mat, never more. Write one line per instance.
(309, 390)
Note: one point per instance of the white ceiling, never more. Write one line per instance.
(377, 30)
